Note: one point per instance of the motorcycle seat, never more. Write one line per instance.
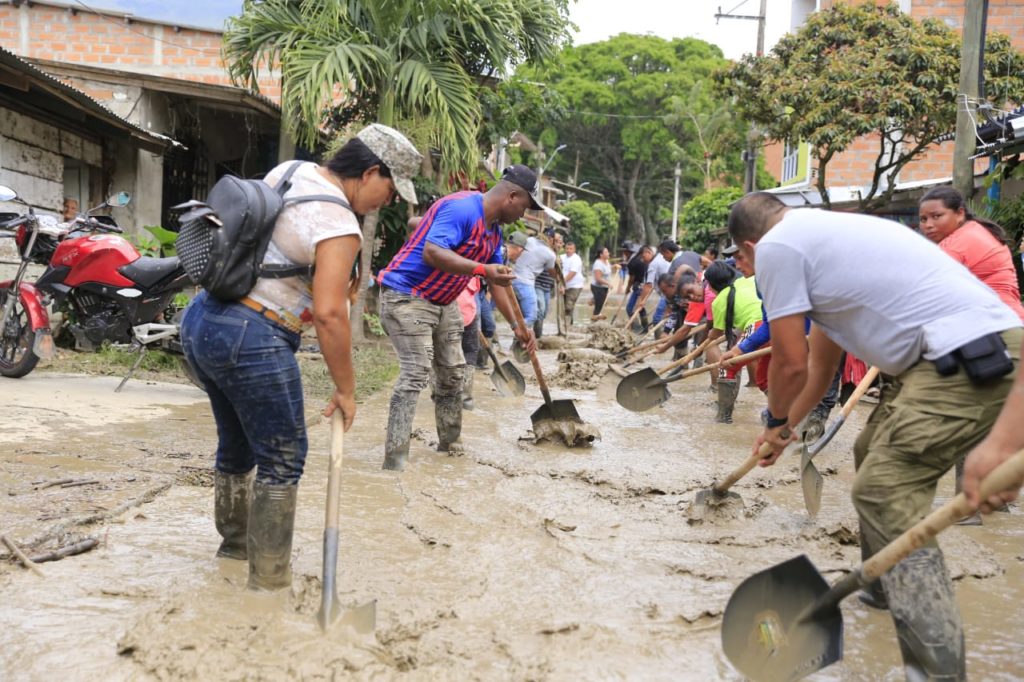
(147, 272)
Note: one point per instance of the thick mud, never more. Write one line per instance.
(512, 560)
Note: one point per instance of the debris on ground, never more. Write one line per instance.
(612, 339)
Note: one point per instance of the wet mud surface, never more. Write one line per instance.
(509, 560)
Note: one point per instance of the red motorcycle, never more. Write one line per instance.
(106, 291)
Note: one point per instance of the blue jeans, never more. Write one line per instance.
(543, 301)
(631, 301)
(247, 365)
(527, 297)
(659, 312)
(487, 325)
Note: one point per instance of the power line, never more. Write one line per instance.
(104, 17)
(598, 113)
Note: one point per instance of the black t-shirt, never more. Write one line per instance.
(637, 269)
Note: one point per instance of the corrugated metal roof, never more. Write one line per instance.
(144, 138)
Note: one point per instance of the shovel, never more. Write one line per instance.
(810, 477)
(784, 623)
(508, 380)
(362, 618)
(642, 390)
(719, 493)
(551, 410)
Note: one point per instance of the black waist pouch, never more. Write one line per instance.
(983, 359)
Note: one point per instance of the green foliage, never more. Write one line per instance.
(165, 239)
(373, 322)
(518, 104)
(359, 61)
(586, 225)
(704, 213)
(143, 244)
(856, 70)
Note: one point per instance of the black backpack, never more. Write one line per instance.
(222, 242)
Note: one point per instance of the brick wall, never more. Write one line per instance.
(856, 164)
(44, 32)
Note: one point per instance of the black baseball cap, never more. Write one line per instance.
(668, 245)
(522, 176)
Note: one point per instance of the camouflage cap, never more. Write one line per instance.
(398, 154)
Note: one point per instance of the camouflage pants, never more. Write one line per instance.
(922, 425)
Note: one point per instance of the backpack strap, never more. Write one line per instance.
(283, 270)
(285, 183)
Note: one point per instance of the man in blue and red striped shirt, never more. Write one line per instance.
(458, 238)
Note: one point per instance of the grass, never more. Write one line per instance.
(375, 366)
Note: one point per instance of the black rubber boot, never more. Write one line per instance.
(271, 525)
(728, 389)
(399, 430)
(231, 495)
(975, 518)
(448, 419)
(874, 594)
(467, 389)
(926, 617)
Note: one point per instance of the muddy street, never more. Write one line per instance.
(512, 561)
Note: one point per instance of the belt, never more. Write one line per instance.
(270, 314)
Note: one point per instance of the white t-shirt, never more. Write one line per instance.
(299, 228)
(572, 263)
(657, 267)
(878, 289)
(606, 268)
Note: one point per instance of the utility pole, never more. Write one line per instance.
(675, 202)
(972, 65)
(753, 137)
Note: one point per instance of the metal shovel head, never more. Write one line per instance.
(810, 481)
(766, 633)
(362, 618)
(519, 353)
(508, 380)
(558, 410)
(641, 391)
(709, 497)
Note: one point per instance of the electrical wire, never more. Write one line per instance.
(120, 24)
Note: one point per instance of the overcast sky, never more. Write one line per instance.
(597, 19)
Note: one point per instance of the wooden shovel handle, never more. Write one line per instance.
(629, 322)
(517, 312)
(859, 392)
(334, 469)
(686, 358)
(1006, 475)
(753, 355)
(743, 469)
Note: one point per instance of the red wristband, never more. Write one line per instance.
(479, 271)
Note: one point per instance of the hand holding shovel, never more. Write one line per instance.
(784, 623)
(810, 478)
(719, 492)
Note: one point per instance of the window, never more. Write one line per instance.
(790, 160)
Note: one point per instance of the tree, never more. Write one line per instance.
(619, 120)
(585, 223)
(705, 213)
(857, 70)
(415, 62)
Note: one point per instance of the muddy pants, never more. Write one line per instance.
(571, 296)
(424, 335)
(922, 425)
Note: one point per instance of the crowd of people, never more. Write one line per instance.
(940, 316)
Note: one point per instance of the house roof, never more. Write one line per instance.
(112, 12)
(32, 88)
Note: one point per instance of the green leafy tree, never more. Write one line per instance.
(705, 213)
(585, 223)
(608, 217)
(413, 64)
(857, 70)
(620, 128)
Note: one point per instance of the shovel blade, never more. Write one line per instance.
(811, 482)
(508, 380)
(641, 391)
(519, 353)
(558, 410)
(362, 619)
(765, 632)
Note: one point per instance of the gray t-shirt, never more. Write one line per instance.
(656, 268)
(535, 259)
(691, 259)
(912, 301)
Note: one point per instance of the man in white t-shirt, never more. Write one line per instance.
(949, 346)
(572, 270)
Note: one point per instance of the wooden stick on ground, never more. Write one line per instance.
(25, 561)
(70, 550)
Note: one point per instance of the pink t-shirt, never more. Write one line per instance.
(467, 301)
(987, 259)
(709, 298)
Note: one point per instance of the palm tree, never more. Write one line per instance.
(390, 61)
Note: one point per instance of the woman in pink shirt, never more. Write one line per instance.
(977, 243)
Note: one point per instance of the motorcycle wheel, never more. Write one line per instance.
(16, 338)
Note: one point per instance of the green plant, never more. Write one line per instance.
(165, 238)
(705, 213)
(373, 322)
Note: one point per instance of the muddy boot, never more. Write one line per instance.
(467, 389)
(925, 614)
(975, 518)
(231, 494)
(399, 430)
(728, 389)
(271, 524)
(874, 594)
(448, 419)
(814, 426)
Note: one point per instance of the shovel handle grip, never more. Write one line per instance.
(334, 470)
(696, 352)
(518, 313)
(859, 392)
(629, 322)
(743, 469)
(746, 357)
(1006, 475)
